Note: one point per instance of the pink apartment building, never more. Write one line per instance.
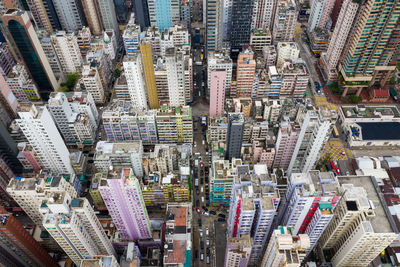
(285, 144)
(217, 92)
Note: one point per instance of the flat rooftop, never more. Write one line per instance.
(380, 222)
(380, 130)
(362, 111)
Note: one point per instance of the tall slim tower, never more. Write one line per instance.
(164, 13)
(20, 248)
(246, 70)
(27, 45)
(214, 14)
(242, 13)
(175, 75)
(339, 38)
(67, 50)
(93, 16)
(107, 10)
(148, 70)
(70, 13)
(74, 226)
(135, 80)
(234, 136)
(123, 198)
(285, 21)
(368, 53)
(39, 128)
(39, 14)
(316, 127)
(217, 93)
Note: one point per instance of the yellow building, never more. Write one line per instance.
(148, 69)
(94, 191)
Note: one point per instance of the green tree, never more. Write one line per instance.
(117, 73)
(69, 85)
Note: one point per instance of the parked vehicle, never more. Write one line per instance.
(198, 211)
(201, 233)
(221, 219)
(207, 231)
(208, 260)
(202, 244)
(213, 212)
(202, 256)
(199, 222)
(221, 215)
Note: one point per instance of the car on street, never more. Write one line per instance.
(207, 241)
(201, 232)
(208, 260)
(198, 211)
(204, 208)
(208, 251)
(221, 215)
(202, 244)
(196, 253)
(207, 231)
(201, 164)
(199, 222)
(197, 191)
(205, 213)
(213, 212)
(90, 161)
(221, 219)
(202, 256)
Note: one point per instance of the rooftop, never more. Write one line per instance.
(380, 221)
(363, 111)
(380, 130)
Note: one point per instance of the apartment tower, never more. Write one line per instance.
(27, 45)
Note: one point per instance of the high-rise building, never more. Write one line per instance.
(252, 209)
(50, 52)
(285, 144)
(18, 247)
(84, 38)
(135, 80)
(92, 82)
(93, 16)
(222, 177)
(70, 13)
(369, 52)
(141, 10)
(6, 60)
(359, 231)
(245, 73)
(295, 78)
(286, 51)
(339, 38)
(67, 50)
(234, 136)
(186, 13)
(285, 21)
(242, 13)
(27, 45)
(310, 200)
(52, 14)
(77, 125)
(320, 14)
(164, 13)
(316, 127)
(285, 248)
(123, 198)
(226, 20)
(131, 37)
(263, 14)
(29, 193)
(21, 85)
(141, 125)
(175, 66)
(174, 125)
(74, 226)
(219, 61)
(39, 128)
(260, 38)
(39, 14)
(237, 251)
(213, 24)
(119, 156)
(217, 93)
(107, 10)
(148, 71)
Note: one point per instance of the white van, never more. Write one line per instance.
(202, 199)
